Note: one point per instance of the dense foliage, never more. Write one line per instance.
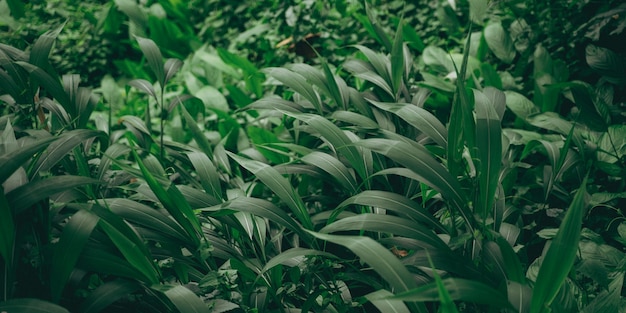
(324, 156)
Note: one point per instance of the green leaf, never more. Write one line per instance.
(279, 185)
(170, 68)
(62, 147)
(394, 202)
(108, 293)
(419, 118)
(382, 261)
(183, 299)
(397, 60)
(334, 168)
(23, 197)
(293, 257)
(48, 82)
(477, 10)
(17, 8)
(612, 144)
(607, 63)
(75, 235)
(499, 42)
(380, 299)
(143, 86)
(13, 160)
(338, 140)
(520, 105)
(154, 57)
(27, 305)
(561, 255)
(298, 83)
(146, 216)
(488, 152)
(387, 224)
(366, 71)
(141, 262)
(173, 201)
(459, 290)
(268, 210)
(416, 158)
(40, 50)
(207, 173)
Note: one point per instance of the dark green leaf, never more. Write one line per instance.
(23, 197)
(108, 293)
(560, 257)
(26, 305)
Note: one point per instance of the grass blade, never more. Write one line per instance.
(559, 258)
(75, 235)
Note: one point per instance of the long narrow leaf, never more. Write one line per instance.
(380, 299)
(423, 164)
(12, 160)
(488, 152)
(184, 299)
(459, 290)
(419, 118)
(27, 305)
(108, 293)
(62, 147)
(67, 251)
(23, 197)
(279, 185)
(387, 224)
(394, 202)
(382, 261)
(561, 255)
